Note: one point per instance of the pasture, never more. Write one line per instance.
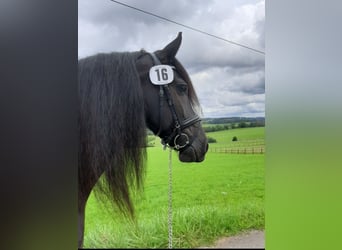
(222, 196)
(247, 138)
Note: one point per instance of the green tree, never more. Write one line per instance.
(242, 125)
(211, 140)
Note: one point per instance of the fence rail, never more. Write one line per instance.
(238, 150)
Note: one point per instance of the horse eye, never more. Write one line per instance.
(182, 87)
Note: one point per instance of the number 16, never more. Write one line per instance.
(164, 75)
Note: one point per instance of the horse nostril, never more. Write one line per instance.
(207, 147)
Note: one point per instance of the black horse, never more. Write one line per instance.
(118, 101)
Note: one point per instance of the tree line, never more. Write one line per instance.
(219, 127)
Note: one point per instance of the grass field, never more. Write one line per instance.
(247, 137)
(221, 196)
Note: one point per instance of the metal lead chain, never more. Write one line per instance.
(170, 199)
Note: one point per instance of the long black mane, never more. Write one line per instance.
(112, 124)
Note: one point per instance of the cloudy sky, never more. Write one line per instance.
(229, 79)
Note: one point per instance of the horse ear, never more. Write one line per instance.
(171, 49)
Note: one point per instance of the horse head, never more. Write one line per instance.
(170, 102)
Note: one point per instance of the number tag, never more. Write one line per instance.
(161, 74)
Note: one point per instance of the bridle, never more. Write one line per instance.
(177, 133)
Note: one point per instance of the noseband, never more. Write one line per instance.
(177, 133)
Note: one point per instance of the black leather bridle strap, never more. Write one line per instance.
(177, 131)
(172, 106)
(155, 59)
(161, 93)
(161, 97)
(190, 121)
(179, 126)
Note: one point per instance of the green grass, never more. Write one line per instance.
(247, 138)
(221, 196)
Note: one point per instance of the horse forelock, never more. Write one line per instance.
(191, 90)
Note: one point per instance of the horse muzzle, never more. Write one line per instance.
(194, 152)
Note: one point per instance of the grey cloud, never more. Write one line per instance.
(250, 83)
(111, 13)
(260, 29)
(229, 79)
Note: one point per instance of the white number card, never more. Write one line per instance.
(161, 74)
